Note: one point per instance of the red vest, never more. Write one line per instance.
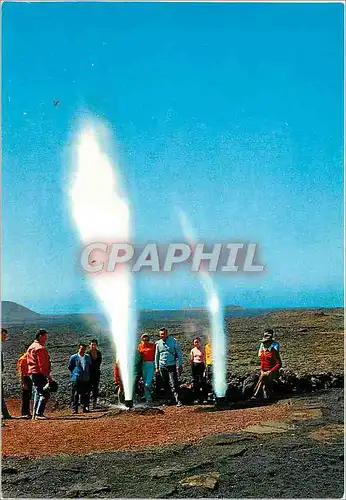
(268, 360)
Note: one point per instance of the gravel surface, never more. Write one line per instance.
(64, 433)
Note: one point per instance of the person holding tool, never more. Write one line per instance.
(270, 363)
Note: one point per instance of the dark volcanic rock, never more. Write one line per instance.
(186, 395)
(148, 411)
(168, 493)
(21, 478)
(226, 439)
(209, 481)
(277, 465)
(235, 451)
(9, 470)
(87, 489)
(160, 472)
(235, 390)
(249, 385)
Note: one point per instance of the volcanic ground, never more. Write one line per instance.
(312, 342)
(290, 449)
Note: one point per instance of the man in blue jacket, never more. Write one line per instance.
(79, 366)
(167, 355)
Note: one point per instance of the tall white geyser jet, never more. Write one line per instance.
(216, 316)
(101, 213)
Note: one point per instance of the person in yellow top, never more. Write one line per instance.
(208, 361)
(209, 366)
(26, 383)
(208, 355)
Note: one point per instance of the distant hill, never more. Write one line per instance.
(192, 308)
(11, 312)
(226, 308)
(15, 314)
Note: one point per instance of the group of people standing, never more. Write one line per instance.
(163, 360)
(154, 360)
(34, 371)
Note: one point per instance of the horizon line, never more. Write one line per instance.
(187, 308)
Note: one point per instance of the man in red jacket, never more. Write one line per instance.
(39, 368)
(270, 363)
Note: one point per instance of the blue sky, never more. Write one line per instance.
(232, 112)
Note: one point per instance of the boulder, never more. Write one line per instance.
(234, 391)
(186, 394)
(249, 385)
(209, 481)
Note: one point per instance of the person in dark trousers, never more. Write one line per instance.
(270, 363)
(167, 355)
(197, 358)
(4, 411)
(39, 369)
(79, 366)
(208, 361)
(95, 370)
(209, 369)
(26, 383)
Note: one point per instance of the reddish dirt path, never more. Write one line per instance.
(125, 431)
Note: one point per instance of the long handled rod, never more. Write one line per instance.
(258, 386)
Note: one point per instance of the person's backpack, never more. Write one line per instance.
(19, 364)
